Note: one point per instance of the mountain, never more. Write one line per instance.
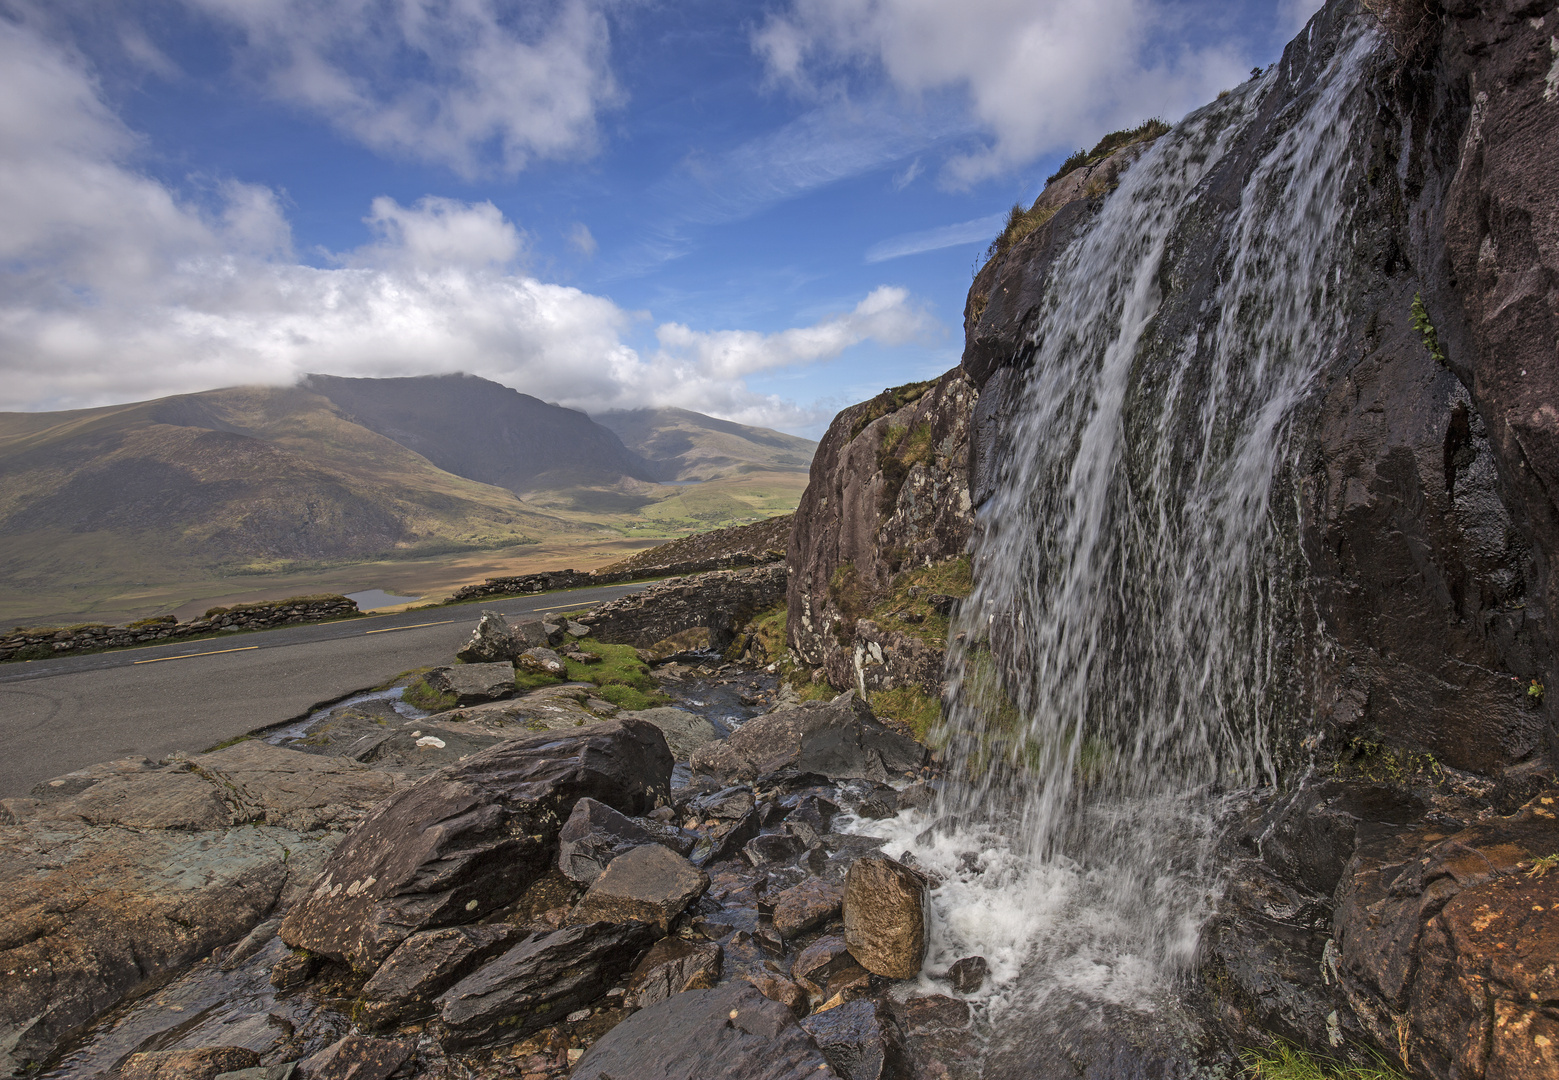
(485, 431)
(341, 484)
(683, 445)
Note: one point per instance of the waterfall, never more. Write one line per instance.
(1128, 655)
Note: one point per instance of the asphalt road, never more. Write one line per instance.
(64, 714)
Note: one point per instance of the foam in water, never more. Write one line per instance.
(1125, 656)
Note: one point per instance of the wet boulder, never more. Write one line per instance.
(732, 1033)
(859, 1040)
(493, 641)
(423, 967)
(467, 840)
(807, 906)
(674, 965)
(1445, 944)
(595, 834)
(539, 981)
(356, 1057)
(772, 849)
(821, 960)
(838, 739)
(650, 884)
(885, 923)
(473, 684)
(968, 975)
(780, 989)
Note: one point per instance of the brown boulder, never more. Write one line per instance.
(424, 966)
(356, 1057)
(1446, 942)
(885, 917)
(468, 839)
(807, 906)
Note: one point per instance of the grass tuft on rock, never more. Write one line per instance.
(419, 695)
(909, 705)
(1285, 1061)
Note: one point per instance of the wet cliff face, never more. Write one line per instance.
(1424, 496)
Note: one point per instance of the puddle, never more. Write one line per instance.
(374, 599)
(391, 703)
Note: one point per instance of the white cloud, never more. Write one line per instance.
(1037, 75)
(945, 236)
(113, 288)
(582, 239)
(475, 85)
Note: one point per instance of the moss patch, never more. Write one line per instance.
(623, 678)
(890, 400)
(910, 705)
(1367, 759)
(419, 695)
(912, 591)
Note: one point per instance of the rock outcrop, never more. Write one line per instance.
(889, 493)
(467, 840)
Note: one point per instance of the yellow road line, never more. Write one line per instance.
(413, 626)
(186, 656)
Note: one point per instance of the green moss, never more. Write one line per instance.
(623, 678)
(901, 449)
(1285, 1061)
(1425, 327)
(419, 695)
(534, 680)
(890, 400)
(1367, 759)
(912, 706)
(767, 629)
(912, 591)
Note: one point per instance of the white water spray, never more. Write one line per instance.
(1127, 654)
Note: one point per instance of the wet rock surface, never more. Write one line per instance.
(839, 738)
(650, 884)
(733, 1033)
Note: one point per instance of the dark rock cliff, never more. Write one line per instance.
(1426, 507)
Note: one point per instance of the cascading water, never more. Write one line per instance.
(1126, 656)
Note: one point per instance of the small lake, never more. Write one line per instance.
(374, 599)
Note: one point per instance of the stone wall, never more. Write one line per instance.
(39, 642)
(722, 600)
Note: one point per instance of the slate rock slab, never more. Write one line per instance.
(885, 917)
(296, 790)
(90, 914)
(674, 965)
(473, 684)
(356, 1057)
(467, 840)
(649, 883)
(685, 731)
(187, 1064)
(839, 739)
(821, 960)
(538, 982)
(423, 967)
(731, 1033)
(595, 834)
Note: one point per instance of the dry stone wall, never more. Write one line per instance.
(40, 642)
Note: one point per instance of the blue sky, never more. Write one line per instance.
(760, 211)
